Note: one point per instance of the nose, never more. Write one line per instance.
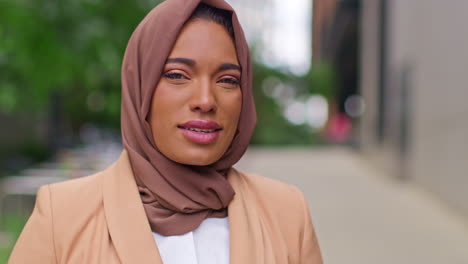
(203, 98)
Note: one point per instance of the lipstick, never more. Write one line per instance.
(200, 131)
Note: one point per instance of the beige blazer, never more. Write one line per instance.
(100, 219)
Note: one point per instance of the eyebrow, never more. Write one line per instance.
(229, 66)
(186, 61)
(191, 63)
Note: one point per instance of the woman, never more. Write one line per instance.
(173, 196)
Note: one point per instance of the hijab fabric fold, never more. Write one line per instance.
(176, 197)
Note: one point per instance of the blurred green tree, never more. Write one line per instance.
(65, 51)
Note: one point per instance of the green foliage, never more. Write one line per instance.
(321, 79)
(69, 48)
(11, 226)
(272, 127)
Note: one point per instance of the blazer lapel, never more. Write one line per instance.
(251, 237)
(126, 218)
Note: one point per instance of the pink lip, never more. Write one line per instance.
(201, 124)
(199, 136)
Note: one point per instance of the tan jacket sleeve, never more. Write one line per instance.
(310, 250)
(36, 242)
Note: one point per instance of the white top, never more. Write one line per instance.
(208, 244)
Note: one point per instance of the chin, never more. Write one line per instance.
(201, 159)
(199, 162)
(192, 154)
(195, 161)
(199, 156)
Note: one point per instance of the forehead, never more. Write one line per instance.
(204, 40)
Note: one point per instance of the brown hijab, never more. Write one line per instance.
(176, 197)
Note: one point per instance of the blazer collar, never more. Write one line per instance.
(126, 217)
(249, 230)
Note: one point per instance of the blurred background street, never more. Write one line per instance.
(362, 104)
(361, 215)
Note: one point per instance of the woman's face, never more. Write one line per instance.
(197, 101)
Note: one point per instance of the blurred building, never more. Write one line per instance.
(336, 41)
(322, 20)
(411, 72)
(410, 69)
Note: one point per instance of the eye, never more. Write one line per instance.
(229, 80)
(175, 76)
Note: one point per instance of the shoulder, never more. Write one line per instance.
(268, 186)
(59, 214)
(276, 196)
(75, 191)
(71, 199)
(283, 207)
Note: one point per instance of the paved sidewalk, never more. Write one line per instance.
(362, 216)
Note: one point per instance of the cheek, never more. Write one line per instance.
(234, 106)
(161, 109)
